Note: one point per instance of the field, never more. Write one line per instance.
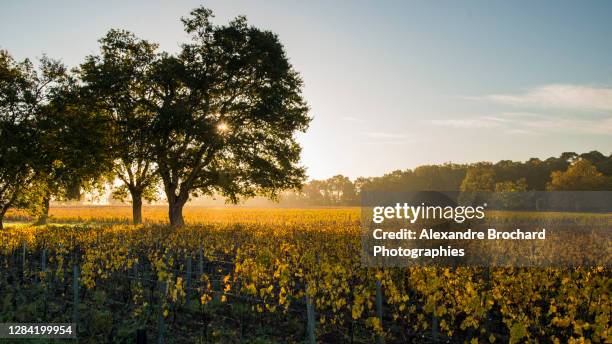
(275, 275)
(194, 215)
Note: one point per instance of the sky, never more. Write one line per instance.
(392, 84)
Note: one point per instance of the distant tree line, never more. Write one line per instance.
(570, 171)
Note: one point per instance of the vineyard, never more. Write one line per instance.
(275, 275)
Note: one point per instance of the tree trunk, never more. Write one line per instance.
(136, 207)
(74, 190)
(175, 201)
(175, 210)
(3, 211)
(44, 216)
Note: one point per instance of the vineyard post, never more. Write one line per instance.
(55, 277)
(75, 289)
(141, 333)
(141, 336)
(487, 288)
(201, 261)
(188, 277)
(311, 318)
(160, 318)
(46, 278)
(379, 309)
(38, 276)
(127, 257)
(23, 260)
(43, 260)
(434, 326)
(217, 291)
(14, 277)
(135, 267)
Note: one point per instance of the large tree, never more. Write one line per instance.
(229, 105)
(24, 95)
(73, 143)
(119, 82)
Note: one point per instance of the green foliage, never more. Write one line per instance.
(118, 84)
(74, 143)
(229, 106)
(506, 175)
(480, 177)
(517, 332)
(219, 117)
(512, 195)
(510, 186)
(510, 179)
(17, 129)
(446, 177)
(25, 94)
(582, 175)
(49, 138)
(337, 190)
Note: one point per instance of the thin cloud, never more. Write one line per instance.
(469, 123)
(391, 138)
(522, 132)
(521, 115)
(570, 126)
(557, 96)
(532, 124)
(389, 142)
(352, 119)
(385, 135)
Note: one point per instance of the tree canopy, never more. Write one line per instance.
(47, 137)
(20, 94)
(582, 175)
(229, 105)
(119, 85)
(73, 142)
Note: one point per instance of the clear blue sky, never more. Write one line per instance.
(393, 84)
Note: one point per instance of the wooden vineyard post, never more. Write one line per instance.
(13, 269)
(23, 260)
(141, 333)
(310, 312)
(44, 279)
(201, 261)
(216, 290)
(37, 276)
(75, 300)
(141, 336)
(160, 318)
(188, 272)
(486, 277)
(435, 336)
(43, 261)
(135, 268)
(379, 309)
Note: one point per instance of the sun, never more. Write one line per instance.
(223, 127)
